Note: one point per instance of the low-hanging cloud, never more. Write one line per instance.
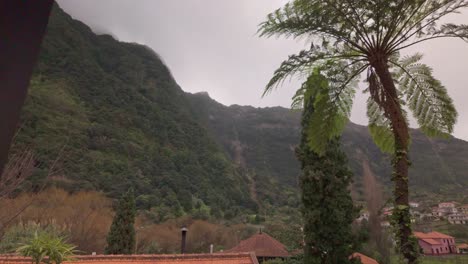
(212, 46)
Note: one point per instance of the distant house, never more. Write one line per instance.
(462, 249)
(385, 224)
(413, 204)
(264, 246)
(463, 209)
(447, 208)
(387, 211)
(215, 258)
(435, 243)
(436, 212)
(364, 215)
(363, 258)
(458, 219)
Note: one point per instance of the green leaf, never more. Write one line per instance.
(427, 98)
(332, 95)
(379, 127)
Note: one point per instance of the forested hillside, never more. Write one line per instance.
(264, 140)
(114, 117)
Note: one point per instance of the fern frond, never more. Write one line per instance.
(293, 65)
(427, 98)
(332, 88)
(380, 127)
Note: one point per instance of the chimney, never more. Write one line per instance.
(184, 239)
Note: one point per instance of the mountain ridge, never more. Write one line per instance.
(357, 143)
(122, 121)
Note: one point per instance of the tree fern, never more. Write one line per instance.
(350, 37)
(427, 98)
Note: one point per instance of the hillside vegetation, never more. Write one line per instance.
(114, 117)
(264, 140)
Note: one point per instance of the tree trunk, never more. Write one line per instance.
(401, 213)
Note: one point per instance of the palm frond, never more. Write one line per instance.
(305, 61)
(380, 127)
(295, 64)
(427, 98)
(421, 23)
(332, 88)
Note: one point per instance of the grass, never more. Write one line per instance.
(459, 259)
(451, 259)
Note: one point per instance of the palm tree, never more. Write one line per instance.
(349, 38)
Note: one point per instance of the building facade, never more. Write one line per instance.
(435, 243)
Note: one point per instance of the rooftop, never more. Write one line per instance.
(364, 259)
(431, 241)
(432, 235)
(263, 245)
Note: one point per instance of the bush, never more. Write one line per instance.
(47, 248)
(22, 233)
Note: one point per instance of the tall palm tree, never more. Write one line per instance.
(349, 38)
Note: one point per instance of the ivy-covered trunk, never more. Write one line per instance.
(401, 218)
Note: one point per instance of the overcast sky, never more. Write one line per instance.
(211, 45)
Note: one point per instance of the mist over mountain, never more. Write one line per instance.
(115, 118)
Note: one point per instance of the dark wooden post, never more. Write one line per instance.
(22, 27)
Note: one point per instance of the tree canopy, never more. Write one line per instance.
(121, 237)
(328, 209)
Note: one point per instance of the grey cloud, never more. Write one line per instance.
(211, 45)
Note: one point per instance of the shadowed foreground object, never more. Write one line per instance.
(221, 258)
(22, 26)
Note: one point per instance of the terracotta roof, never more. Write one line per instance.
(216, 258)
(431, 241)
(263, 245)
(433, 235)
(363, 258)
(463, 246)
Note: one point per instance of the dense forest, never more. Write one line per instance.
(111, 116)
(264, 141)
(114, 118)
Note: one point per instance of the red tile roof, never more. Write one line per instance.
(431, 241)
(433, 235)
(463, 246)
(263, 245)
(216, 258)
(363, 258)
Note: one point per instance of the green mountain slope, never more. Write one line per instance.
(264, 139)
(115, 117)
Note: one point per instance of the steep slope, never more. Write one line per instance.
(116, 118)
(263, 140)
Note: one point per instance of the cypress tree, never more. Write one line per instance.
(121, 237)
(328, 209)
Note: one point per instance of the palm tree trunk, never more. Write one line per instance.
(401, 213)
